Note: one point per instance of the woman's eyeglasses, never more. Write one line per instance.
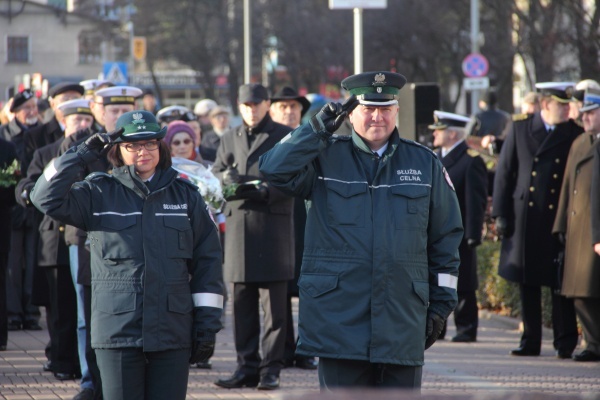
(178, 142)
(135, 147)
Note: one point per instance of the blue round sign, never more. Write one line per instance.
(475, 65)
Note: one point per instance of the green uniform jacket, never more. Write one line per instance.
(155, 254)
(381, 244)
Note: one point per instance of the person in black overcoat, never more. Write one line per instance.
(469, 176)
(526, 192)
(51, 131)
(8, 154)
(259, 244)
(53, 253)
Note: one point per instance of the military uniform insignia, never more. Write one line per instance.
(137, 118)
(448, 180)
(520, 117)
(379, 80)
(472, 152)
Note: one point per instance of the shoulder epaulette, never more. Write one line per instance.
(521, 117)
(97, 175)
(419, 145)
(473, 152)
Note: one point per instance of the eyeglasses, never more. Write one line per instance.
(178, 142)
(135, 147)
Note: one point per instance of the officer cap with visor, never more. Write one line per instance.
(64, 87)
(375, 88)
(175, 113)
(139, 125)
(76, 106)
(559, 91)
(591, 100)
(119, 95)
(444, 120)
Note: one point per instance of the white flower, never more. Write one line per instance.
(208, 184)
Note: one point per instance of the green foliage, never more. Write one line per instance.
(495, 293)
(499, 295)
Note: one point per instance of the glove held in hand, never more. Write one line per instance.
(504, 227)
(203, 347)
(435, 326)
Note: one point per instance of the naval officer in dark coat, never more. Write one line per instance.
(526, 192)
(469, 176)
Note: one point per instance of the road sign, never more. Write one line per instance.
(115, 72)
(139, 48)
(349, 4)
(475, 65)
(476, 83)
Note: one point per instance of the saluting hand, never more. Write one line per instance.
(332, 115)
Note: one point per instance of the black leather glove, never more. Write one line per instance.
(97, 144)
(332, 115)
(203, 346)
(505, 227)
(560, 236)
(230, 175)
(435, 325)
(257, 193)
(472, 243)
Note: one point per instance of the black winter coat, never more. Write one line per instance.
(526, 190)
(469, 177)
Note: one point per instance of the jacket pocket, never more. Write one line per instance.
(119, 237)
(421, 289)
(411, 206)
(346, 203)
(115, 302)
(316, 285)
(179, 237)
(180, 303)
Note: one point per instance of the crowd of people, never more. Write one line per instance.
(375, 234)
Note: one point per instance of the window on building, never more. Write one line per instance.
(90, 47)
(17, 49)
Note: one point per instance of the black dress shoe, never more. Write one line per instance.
(563, 354)
(14, 326)
(463, 338)
(31, 326)
(586, 355)
(268, 382)
(238, 380)
(66, 376)
(523, 351)
(204, 365)
(47, 366)
(306, 363)
(2, 347)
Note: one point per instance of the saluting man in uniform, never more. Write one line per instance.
(469, 177)
(380, 263)
(526, 191)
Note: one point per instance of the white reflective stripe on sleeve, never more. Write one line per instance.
(447, 280)
(207, 300)
(50, 170)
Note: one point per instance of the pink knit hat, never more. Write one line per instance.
(176, 127)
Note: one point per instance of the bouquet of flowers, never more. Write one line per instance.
(208, 184)
(10, 175)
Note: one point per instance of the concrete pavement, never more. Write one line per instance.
(462, 370)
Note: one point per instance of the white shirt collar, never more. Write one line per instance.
(381, 150)
(448, 150)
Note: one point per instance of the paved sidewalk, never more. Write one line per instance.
(462, 370)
